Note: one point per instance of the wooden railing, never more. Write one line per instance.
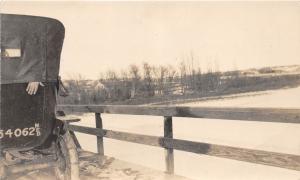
(288, 161)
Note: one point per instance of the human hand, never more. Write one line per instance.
(32, 88)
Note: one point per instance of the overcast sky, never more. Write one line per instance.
(112, 35)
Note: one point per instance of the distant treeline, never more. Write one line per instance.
(150, 83)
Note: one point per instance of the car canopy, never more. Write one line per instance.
(30, 48)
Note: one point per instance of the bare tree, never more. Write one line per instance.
(134, 74)
(160, 76)
(148, 80)
(183, 76)
(171, 73)
(112, 84)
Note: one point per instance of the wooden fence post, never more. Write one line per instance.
(99, 125)
(169, 153)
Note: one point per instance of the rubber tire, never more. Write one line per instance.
(68, 166)
(2, 171)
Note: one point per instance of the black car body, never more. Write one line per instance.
(30, 52)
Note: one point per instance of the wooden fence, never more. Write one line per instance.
(278, 115)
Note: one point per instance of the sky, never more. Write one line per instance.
(102, 36)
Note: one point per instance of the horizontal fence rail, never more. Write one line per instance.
(248, 114)
(276, 159)
(287, 161)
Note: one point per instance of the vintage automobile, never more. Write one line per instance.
(31, 136)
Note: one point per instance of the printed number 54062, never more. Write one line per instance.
(10, 133)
